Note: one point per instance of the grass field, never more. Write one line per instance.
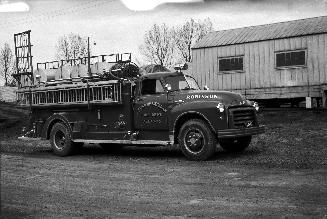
(281, 175)
(293, 138)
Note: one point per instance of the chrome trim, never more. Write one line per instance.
(138, 142)
(171, 138)
(193, 112)
(28, 138)
(233, 133)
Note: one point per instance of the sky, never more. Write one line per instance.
(117, 29)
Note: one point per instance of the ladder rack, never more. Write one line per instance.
(80, 93)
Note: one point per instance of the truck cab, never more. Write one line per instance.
(173, 106)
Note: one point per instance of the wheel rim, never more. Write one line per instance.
(60, 140)
(194, 141)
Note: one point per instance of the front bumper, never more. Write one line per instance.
(232, 133)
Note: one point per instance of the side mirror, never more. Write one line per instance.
(38, 78)
(168, 87)
(206, 87)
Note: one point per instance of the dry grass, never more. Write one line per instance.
(292, 139)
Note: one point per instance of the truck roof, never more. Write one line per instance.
(160, 75)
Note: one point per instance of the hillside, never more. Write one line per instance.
(12, 119)
(7, 94)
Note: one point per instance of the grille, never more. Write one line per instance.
(242, 118)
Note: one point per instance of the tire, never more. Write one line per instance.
(196, 140)
(235, 144)
(60, 139)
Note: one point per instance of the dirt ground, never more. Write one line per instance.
(283, 174)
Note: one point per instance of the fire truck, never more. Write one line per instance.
(110, 103)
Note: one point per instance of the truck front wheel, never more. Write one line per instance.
(60, 139)
(196, 140)
(235, 144)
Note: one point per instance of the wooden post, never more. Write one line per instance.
(324, 98)
(308, 102)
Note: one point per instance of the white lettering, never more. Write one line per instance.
(202, 96)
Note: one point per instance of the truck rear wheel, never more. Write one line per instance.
(196, 140)
(235, 144)
(60, 139)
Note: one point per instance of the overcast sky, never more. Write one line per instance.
(115, 28)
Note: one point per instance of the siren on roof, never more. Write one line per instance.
(181, 67)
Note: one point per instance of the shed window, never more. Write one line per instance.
(231, 64)
(290, 58)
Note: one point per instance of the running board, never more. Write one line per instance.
(138, 142)
(28, 138)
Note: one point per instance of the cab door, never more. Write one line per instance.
(150, 106)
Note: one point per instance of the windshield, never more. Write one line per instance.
(182, 82)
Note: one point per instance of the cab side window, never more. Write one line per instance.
(151, 86)
(159, 87)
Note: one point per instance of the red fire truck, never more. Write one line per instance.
(111, 104)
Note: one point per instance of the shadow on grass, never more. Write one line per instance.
(224, 155)
(128, 151)
(253, 156)
(159, 152)
(43, 149)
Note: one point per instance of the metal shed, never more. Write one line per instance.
(284, 60)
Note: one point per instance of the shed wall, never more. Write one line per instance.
(260, 78)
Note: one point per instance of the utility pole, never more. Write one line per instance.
(67, 56)
(88, 57)
(74, 56)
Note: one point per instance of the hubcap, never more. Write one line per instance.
(194, 141)
(60, 140)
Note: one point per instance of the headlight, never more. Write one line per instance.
(256, 106)
(221, 107)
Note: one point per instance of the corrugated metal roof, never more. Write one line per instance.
(287, 29)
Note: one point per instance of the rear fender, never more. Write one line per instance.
(56, 117)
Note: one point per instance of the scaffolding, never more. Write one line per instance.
(23, 54)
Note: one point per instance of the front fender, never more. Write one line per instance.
(196, 109)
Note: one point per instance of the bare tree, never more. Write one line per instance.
(6, 63)
(71, 46)
(158, 45)
(187, 35)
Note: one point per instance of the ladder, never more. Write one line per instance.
(79, 93)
